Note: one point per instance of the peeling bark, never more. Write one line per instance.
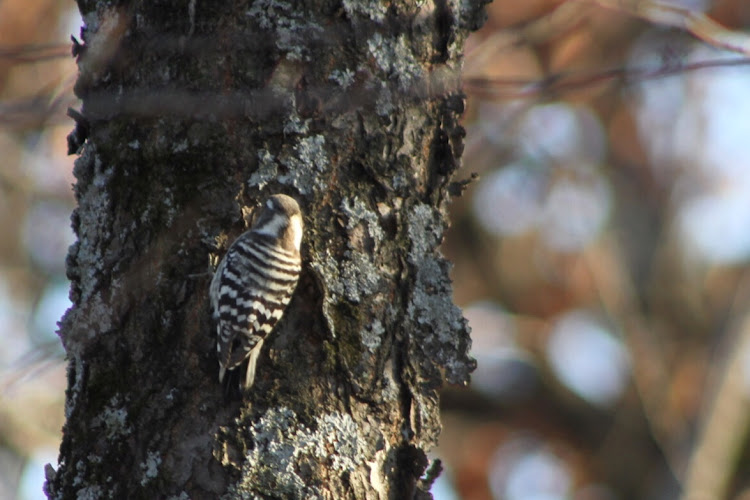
(193, 113)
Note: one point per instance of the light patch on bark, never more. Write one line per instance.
(378, 479)
(114, 420)
(441, 325)
(343, 77)
(286, 451)
(266, 171)
(94, 208)
(372, 337)
(150, 467)
(292, 29)
(394, 57)
(357, 213)
(373, 9)
(305, 161)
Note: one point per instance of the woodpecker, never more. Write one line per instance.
(253, 284)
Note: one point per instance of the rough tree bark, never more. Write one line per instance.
(194, 112)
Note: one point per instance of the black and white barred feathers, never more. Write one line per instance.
(254, 283)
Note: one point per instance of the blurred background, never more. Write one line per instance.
(36, 81)
(601, 257)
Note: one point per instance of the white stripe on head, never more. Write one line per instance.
(273, 226)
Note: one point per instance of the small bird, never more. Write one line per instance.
(254, 282)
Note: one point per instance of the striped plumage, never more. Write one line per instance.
(254, 283)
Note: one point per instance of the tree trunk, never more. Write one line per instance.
(194, 113)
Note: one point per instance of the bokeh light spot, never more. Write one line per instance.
(524, 468)
(47, 235)
(575, 212)
(716, 225)
(509, 201)
(588, 359)
(562, 134)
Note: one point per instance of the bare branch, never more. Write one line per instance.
(694, 22)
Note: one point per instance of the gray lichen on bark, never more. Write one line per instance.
(192, 120)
